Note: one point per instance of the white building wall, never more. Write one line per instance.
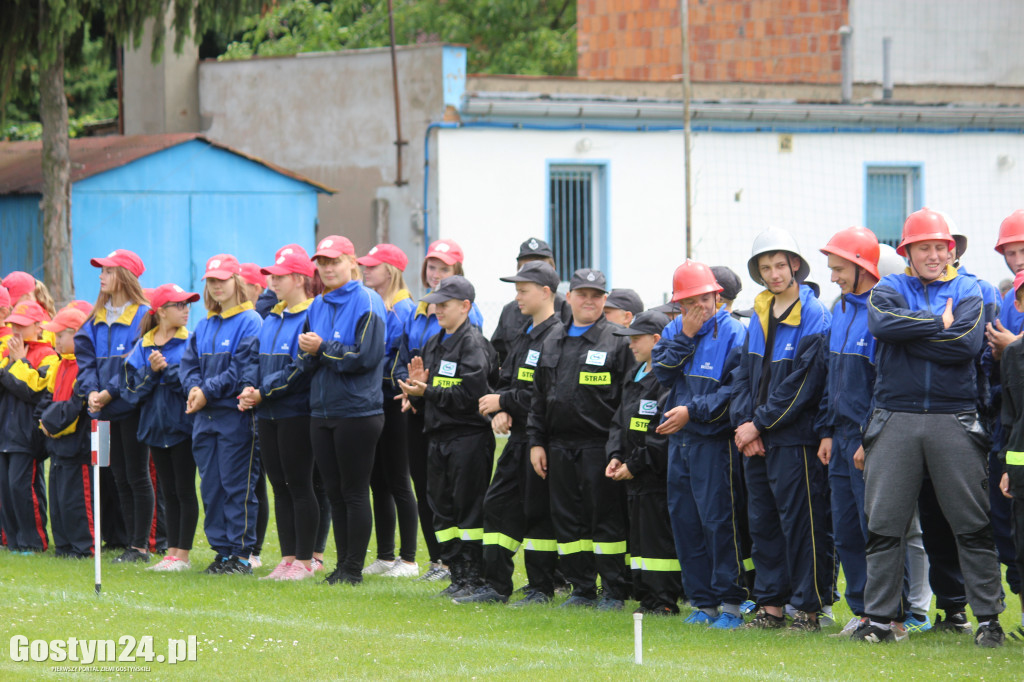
(492, 190)
(952, 42)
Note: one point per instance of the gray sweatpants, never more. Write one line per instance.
(899, 448)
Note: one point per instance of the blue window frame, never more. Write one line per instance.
(891, 193)
(577, 216)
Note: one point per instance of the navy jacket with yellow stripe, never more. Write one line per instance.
(699, 372)
(158, 395)
(22, 386)
(282, 384)
(850, 363)
(101, 346)
(345, 375)
(219, 356)
(797, 372)
(921, 366)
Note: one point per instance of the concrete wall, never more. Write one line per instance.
(742, 184)
(162, 97)
(330, 117)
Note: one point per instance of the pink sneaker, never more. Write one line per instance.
(297, 572)
(278, 571)
(316, 564)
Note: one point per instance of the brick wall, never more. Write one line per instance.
(762, 41)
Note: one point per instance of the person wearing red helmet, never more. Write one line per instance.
(215, 366)
(929, 327)
(393, 498)
(101, 346)
(695, 358)
(1010, 245)
(152, 381)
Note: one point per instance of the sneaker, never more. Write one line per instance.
(131, 556)
(872, 634)
(1017, 634)
(255, 561)
(955, 624)
(766, 621)
(437, 571)
(403, 569)
(899, 631)
(482, 595)
(577, 601)
(236, 566)
(163, 564)
(216, 566)
(339, 577)
(465, 591)
(656, 611)
(726, 621)
(850, 627)
(610, 604)
(279, 570)
(915, 624)
(316, 564)
(699, 618)
(990, 635)
(532, 597)
(379, 567)
(179, 566)
(449, 592)
(748, 607)
(297, 572)
(802, 622)
(825, 617)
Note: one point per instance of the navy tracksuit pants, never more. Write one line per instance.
(704, 499)
(787, 507)
(71, 502)
(23, 502)
(224, 447)
(849, 524)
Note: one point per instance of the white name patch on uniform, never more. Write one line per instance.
(532, 358)
(596, 357)
(447, 369)
(648, 408)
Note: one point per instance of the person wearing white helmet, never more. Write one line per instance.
(776, 391)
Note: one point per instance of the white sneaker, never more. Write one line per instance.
(379, 567)
(163, 564)
(255, 561)
(179, 566)
(849, 628)
(402, 569)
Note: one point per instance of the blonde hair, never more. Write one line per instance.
(456, 270)
(43, 298)
(396, 283)
(240, 296)
(128, 284)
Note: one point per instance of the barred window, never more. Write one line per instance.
(574, 205)
(891, 194)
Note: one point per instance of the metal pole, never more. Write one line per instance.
(684, 12)
(399, 142)
(846, 63)
(887, 68)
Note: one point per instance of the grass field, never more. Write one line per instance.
(393, 628)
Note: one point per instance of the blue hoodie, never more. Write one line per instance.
(282, 384)
(850, 359)
(346, 372)
(162, 418)
(797, 372)
(698, 370)
(101, 347)
(398, 317)
(219, 356)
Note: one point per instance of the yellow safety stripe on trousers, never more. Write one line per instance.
(471, 533)
(574, 547)
(663, 565)
(446, 534)
(610, 547)
(502, 540)
(540, 545)
(748, 564)
(1014, 458)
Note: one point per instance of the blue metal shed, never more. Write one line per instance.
(173, 199)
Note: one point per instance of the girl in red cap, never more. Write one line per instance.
(5, 310)
(215, 367)
(101, 346)
(382, 271)
(152, 381)
(444, 259)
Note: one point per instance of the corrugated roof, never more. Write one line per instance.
(21, 169)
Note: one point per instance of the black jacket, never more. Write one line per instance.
(578, 387)
(515, 382)
(632, 439)
(512, 323)
(460, 370)
(1011, 370)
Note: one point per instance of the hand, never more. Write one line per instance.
(310, 343)
(947, 314)
(413, 387)
(539, 460)
(417, 371)
(501, 423)
(157, 362)
(693, 320)
(249, 398)
(16, 349)
(406, 405)
(745, 433)
(612, 468)
(858, 459)
(42, 428)
(825, 451)
(98, 400)
(999, 337)
(675, 419)
(1004, 485)
(754, 448)
(489, 404)
(196, 400)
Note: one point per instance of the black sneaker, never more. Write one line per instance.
(464, 591)
(954, 624)
(532, 597)
(482, 595)
(339, 577)
(216, 566)
(802, 622)
(577, 601)
(766, 621)
(990, 635)
(131, 556)
(610, 604)
(872, 634)
(449, 592)
(236, 566)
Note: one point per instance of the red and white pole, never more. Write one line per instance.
(100, 458)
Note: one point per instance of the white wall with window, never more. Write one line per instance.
(498, 187)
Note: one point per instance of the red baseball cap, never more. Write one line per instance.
(66, 318)
(18, 284)
(1018, 280)
(446, 250)
(385, 253)
(291, 259)
(27, 312)
(84, 306)
(251, 274)
(222, 266)
(5, 296)
(121, 258)
(169, 293)
(334, 246)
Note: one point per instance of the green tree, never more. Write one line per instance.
(534, 37)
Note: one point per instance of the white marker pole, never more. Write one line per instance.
(100, 458)
(638, 638)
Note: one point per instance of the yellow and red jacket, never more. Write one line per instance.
(63, 412)
(22, 386)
